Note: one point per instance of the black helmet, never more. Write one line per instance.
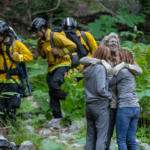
(4, 28)
(69, 23)
(37, 24)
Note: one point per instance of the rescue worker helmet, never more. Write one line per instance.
(37, 24)
(4, 28)
(69, 23)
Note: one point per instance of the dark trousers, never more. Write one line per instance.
(112, 122)
(55, 80)
(97, 115)
(9, 104)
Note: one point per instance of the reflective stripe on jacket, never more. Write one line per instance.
(21, 54)
(61, 43)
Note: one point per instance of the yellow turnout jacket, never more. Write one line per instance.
(61, 43)
(21, 54)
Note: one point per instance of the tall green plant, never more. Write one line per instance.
(106, 24)
(74, 105)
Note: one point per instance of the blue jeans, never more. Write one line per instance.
(126, 125)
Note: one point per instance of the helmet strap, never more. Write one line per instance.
(43, 37)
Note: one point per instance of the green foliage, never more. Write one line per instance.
(107, 24)
(81, 141)
(145, 8)
(37, 67)
(143, 134)
(31, 43)
(102, 26)
(26, 107)
(53, 146)
(74, 105)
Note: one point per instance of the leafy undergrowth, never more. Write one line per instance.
(74, 106)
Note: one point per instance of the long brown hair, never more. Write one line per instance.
(102, 52)
(126, 56)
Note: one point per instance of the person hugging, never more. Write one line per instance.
(97, 97)
(128, 106)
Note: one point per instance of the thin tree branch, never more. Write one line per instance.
(110, 11)
(47, 10)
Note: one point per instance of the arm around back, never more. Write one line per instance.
(135, 69)
(101, 83)
(116, 79)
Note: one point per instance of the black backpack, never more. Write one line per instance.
(80, 50)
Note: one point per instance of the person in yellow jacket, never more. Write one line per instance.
(86, 39)
(58, 60)
(9, 74)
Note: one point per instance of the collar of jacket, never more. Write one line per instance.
(79, 34)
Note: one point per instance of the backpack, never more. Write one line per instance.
(20, 71)
(23, 74)
(80, 50)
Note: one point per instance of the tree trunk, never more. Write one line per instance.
(27, 15)
(50, 14)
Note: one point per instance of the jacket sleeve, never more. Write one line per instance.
(91, 42)
(136, 70)
(116, 79)
(63, 43)
(24, 55)
(101, 79)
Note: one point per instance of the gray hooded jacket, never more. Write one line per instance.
(96, 84)
(126, 84)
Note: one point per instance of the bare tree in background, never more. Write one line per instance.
(25, 20)
(27, 14)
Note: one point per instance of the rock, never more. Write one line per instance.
(27, 145)
(78, 125)
(45, 132)
(35, 105)
(2, 138)
(73, 127)
(146, 146)
(138, 142)
(13, 143)
(77, 145)
(112, 148)
(31, 129)
(51, 128)
(29, 121)
(64, 130)
(30, 98)
(62, 142)
(55, 123)
(53, 138)
(49, 139)
(65, 136)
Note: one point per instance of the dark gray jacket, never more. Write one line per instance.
(126, 84)
(96, 84)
